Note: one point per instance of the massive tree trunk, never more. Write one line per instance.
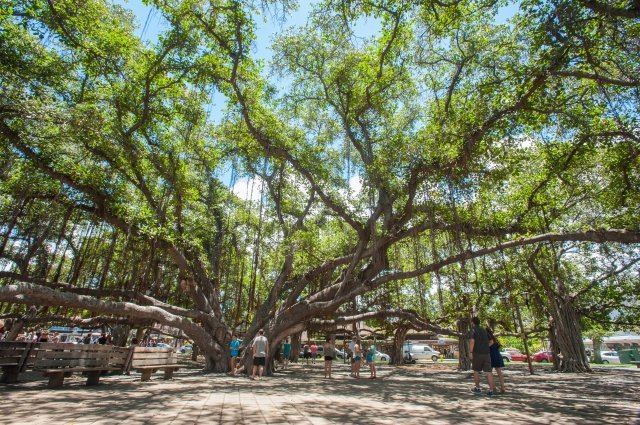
(570, 350)
(597, 351)
(397, 354)
(295, 346)
(120, 334)
(566, 334)
(464, 359)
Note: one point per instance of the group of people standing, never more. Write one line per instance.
(483, 346)
(260, 352)
(356, 353)
(485, 356)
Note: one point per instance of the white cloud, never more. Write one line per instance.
(248, 189)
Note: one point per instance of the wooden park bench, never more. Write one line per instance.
(147, 360)
(14, 358)
(57, 360)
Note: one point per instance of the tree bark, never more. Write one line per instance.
(565, 332)
(397, 354)
(464, 358)
(17, 325)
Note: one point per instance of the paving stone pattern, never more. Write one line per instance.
(406, 395)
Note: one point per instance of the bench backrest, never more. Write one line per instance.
(153, 356)
(15, 353)
(66, 355)
(120, 357)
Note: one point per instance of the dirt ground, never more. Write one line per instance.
(419, 394)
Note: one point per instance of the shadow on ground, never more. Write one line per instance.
(415, 395)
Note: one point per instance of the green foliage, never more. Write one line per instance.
(442, 133)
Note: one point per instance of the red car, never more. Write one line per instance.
(542, 356)
(516, 355)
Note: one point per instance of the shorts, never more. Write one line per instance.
(481, 363)
(328, 358)
(369, 359)
(356, 359)
(259, 361)
(307, 355)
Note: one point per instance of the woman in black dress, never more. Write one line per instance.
(497, 361)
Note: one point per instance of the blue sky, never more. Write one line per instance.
(150, 24)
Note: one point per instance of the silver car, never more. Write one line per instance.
(506, 356)
(610, 357)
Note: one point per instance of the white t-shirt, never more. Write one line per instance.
(260, 345)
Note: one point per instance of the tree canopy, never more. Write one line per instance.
(425, 172)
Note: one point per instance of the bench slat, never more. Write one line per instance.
(47, 372)
(12, 351)
(72, 355)
(77, 347)
(11, 360)
(152, 362)
(167, 366)
(153, 350)
(69, 363)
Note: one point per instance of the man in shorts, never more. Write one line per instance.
(260, 348)
(480, 357)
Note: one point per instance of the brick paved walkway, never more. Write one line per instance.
(420, 395)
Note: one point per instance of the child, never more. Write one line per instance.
(371, 355)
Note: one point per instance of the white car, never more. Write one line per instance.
(610, 357)
(421, 351)
(506, 356)
(382, 357)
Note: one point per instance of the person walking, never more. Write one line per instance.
(480, 357)
(306, 352)
(497, 362)
(329, 354)
(234, 347)
(260, 349)
(314, 352)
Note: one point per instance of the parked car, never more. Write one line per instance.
(186, 349)
(163, 345)
(610, 357)
(382, 357)
(506, 356)
(340, 354)
(542, 356)
(420, 351)
(516, 355)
